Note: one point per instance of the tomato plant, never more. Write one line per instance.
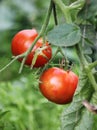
(76, 32)
(22, 41)
(58, 85)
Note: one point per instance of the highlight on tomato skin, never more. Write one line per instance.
(58, 85)
(21, 43)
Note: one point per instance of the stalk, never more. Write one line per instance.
(13, 60)
(93, 65)
(55, 14)
(42, 32)
(86, 67)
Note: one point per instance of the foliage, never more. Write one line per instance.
(64, 35)
(27, 109)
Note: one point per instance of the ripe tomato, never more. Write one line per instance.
(21, 43)
(58, 85)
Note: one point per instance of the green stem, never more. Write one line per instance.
(65, 9)
(61, 52)
(86, 68)
(46, 21)
(55, 14)
(77, 4)
(91, 77)
(14, 59)
(27, 52)
(92, 65)
(80, 54)
(42, 31)
(22, 127)
(31, 120)
(51, 59)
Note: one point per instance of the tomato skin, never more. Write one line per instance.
(21, 43)
(58, 85)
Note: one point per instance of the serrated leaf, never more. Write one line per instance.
(73, 115)
(64, 35)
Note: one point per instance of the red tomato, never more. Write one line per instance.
(58, 85)
(21, 43)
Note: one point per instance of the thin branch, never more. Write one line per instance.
(92, 65)
(81, 55)
(13, 60)
(53, 57)
(42, 31)
(90, 107)
(86, 68)
(27, 53)
(77, 4)
(92, 79)
(55, 14)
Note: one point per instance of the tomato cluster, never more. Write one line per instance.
(56, 84)
(22, 42)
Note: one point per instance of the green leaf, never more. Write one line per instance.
(86, 123)
(73, 116)
(64, 35)
(76, 6)
(95, 123)
(91, 13)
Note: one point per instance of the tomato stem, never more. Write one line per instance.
(80, 54)
(56, 52)
(59, 49)
(92, 65)
(46, 21)
(91, 77)
(86, 67)
(77, 4)
(13, 60)
(27, 53)
(42, 32)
